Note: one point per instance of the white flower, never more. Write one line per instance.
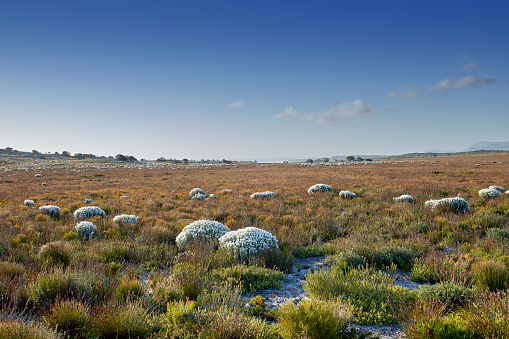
(347, 195)
(455, 204)
(196, 191)
(29, 203)
(248, 241)
(53, 211)
(88, 201)
(125, 218)
(319, 188)
(226, 191)
(207, 229)
(199, 196)
(404, 197)
(507, 192)
(88, 212)
(38, 175)
(124, 197)
(86, 229)
(265, 194)
(489, 193)
(498, 188)
(213, 196)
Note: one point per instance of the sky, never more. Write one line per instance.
(252, 79)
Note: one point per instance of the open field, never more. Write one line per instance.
(46, 267)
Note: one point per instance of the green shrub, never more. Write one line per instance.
(429, 318)
(308, 251)
(252, 278)
(129, 289)
(180, 319)
(69, 316)
(447, 293)
(11, 269)
(437, 267)
(188, 279)
(497, 234)
(55, 254)
(383, 257)
(491, 275)
(222, 294)
(123, 321)
(345, 260)
(314, 319)
(257, 306)
(278, 259)
(71, 235)
(50, 286)
(17, 329)
(367, 290)
(488, 317)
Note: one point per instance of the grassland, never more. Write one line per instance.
(132, 281)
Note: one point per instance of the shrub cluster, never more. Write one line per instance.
(125, 219)
(456, 205)
(346, 195)
(403, 198)
(206, 229)
(260, 195)
(248, 241)
(88, 212)
(320, 188)
(489, 193)
(51, 210)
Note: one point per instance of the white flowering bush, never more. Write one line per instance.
(320, 188)
(347, 195)
(498, 188)
(199, 196)
(196, 191)
(86, 229)
(38, 175)
(206, 229)
(52, 210)
(226, 191)
(29, 203)
(213, 196)
(124, 197)
(455, 204)
(88, 201)
(507, 193)
(125, 219)
(88, 212)
(404, 197)
(44, 184)
(247, 241)
(266, 194)
(489, 193)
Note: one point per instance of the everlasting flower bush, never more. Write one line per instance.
(226, 191)
(489, 193)
(404, 197)
(455, 204)
(29, 203)
(248, 241)
(507, 193)
(265, 194)
(88, 212)
(347, 195)
(213, 196)
(320, 188)
(196, 191)
(207, 229)
(125, 219)
(199, 196)
(86, 229)
(38, 175)
(52, 210)
(498, 188)
(88, 201)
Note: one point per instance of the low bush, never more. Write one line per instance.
(367, 290)
(55, 253)
(308, 251)
(488, 317)
(252, 278)
(447, 293)
(491, 275)
(248, 241)
(437, 267)
(129, 289)
(345, 260)
(382, 257)
(277, 259)
(123, 321)
(69, 316)
(17, 329)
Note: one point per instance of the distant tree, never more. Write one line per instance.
(325, 159)
(161, 159)
(66, 154)
(78, 155)
(368, 159)
(310, 161)
(350, 158)
(131, 158)
(35, 151)
(185, 160)
(359, 158)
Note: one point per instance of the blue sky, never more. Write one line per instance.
(252, 79)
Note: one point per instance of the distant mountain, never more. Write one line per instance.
(488, 146)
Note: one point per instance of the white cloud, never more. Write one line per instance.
(237, 104)
(406, 93)
(290, 112)
(465, 82)
(343, 111)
